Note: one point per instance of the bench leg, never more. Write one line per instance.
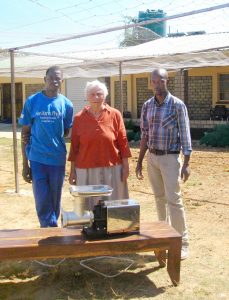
(174, 261)
(161, 257)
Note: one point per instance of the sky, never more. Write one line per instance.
(24, 22)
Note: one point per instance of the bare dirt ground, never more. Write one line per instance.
(203, 276)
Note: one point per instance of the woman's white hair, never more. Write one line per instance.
(93, 84)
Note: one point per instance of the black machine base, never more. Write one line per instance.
(92, 233)
(98, 229)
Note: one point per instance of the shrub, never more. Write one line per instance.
(129, 124)
(130, 135)
(219, 137)
(137, 136)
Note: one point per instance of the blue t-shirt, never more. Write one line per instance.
(48, 118)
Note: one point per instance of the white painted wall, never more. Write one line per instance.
(75, 92)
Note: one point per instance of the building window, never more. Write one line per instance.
(224, 87)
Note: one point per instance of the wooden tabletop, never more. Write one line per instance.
(60, 242)
(70, 242)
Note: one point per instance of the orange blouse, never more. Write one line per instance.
(98, 143)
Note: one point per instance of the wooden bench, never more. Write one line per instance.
(70, 242)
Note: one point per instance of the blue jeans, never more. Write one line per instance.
(47, 187)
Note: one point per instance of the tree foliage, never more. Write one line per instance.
(137, 35)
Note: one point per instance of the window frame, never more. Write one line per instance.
(219, 88)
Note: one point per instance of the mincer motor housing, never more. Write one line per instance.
(114, 217)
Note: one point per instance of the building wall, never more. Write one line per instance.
(199, 97)
(127, 92)
(143, 93)
(214, 73)
(33, 88)
(117, 100)
(171, 85)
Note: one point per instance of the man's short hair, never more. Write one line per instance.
(53, 68)
(160, 72)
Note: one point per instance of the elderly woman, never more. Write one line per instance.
(99, 148)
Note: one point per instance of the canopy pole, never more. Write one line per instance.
(14, 123)
(120, 85)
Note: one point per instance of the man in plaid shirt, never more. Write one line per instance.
(165, 132)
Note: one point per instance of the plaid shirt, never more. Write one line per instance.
(166, 126)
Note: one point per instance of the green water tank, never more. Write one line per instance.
(160, 27)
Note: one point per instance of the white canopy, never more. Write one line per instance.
(171, 53)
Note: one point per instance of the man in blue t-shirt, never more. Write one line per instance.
(46, 119)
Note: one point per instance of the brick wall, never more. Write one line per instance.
(143, 93)
(31, 89)
(171, 85)
(199, 97)
(117, 102)
(180, 86)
